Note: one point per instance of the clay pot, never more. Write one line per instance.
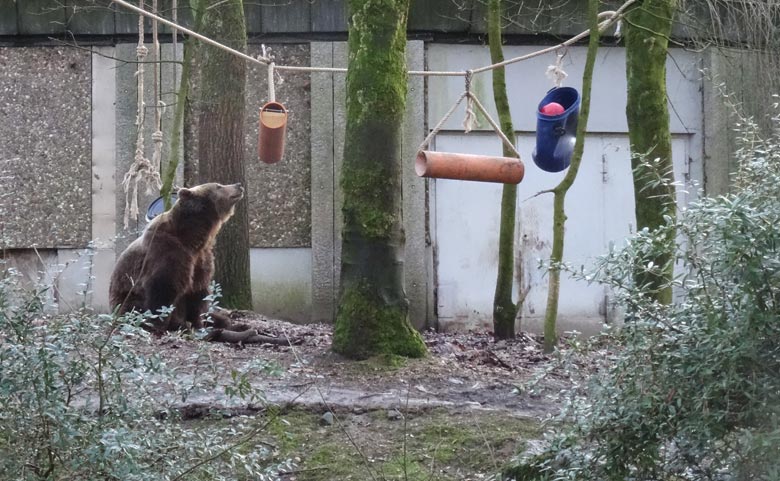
(272, 130)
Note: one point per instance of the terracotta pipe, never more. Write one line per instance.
(481, 168)
(271, 133)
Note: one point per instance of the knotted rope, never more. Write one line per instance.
(556, 72)
(471, 102)
(141, 170)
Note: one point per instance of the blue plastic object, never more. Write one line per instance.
(556, 134)
(157, 207)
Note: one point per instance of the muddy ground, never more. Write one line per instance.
(458, 414)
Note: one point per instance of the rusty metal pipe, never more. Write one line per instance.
(271, 132)
(480, 168)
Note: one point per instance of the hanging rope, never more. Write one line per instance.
(271, 86)
(471, 102)
(141, 170)
(556, 72)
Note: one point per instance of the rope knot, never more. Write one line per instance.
(556, 72)
(141, 51)
(471, 117)
(157, 136)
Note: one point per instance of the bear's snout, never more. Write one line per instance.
(238, 191)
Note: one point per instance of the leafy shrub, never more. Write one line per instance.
(78, 402)
(693, 392)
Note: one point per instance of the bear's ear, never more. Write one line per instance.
(185, 193)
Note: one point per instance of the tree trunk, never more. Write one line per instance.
(372, 315)
(559, 192)
(504, 308)
(221, 140)
(648, 27)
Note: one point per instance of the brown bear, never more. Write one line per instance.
(172, 263)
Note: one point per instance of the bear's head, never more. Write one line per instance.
(212, 201)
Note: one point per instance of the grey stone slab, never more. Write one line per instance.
(104, 184)
(416, 280)
(36, 268)
(8, 17)
(329, 16)
(280, 194)
(285, 16)
(126, 131)
(452, 16)
(45, 146)
(40, 17)
(322, 186)
(92, 17)
(340, 56)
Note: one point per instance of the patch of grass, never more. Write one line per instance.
(440, 445)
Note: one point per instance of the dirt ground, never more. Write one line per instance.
(458, 414)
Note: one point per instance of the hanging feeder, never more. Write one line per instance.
(556, 129)
(272, 129)
(480, 168)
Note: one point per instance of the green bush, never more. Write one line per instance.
(691, 390)
(78, 402)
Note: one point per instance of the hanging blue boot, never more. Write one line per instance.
(556, 128)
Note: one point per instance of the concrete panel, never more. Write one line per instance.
(40, 17)
(280, 194)
(89, 17)
(329, 16)
(449, 16)
(527, 84)
(323, 184)
(281, 283)
(533, 17)
(8, 17)
(417, 282)
(719, 136)
(104, 188)
(35, 272)
(285, 16)
(47, 153)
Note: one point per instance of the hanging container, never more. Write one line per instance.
(556, 134)
(273, 126)
(480, 168)
(157, 207)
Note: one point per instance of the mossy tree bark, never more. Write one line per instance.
(648, 27)
(559, 192)
(372, 315)
(504, 308)
(221, 105)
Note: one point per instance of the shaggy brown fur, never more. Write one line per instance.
(172, 263)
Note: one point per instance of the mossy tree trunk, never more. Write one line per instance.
(221, 105)
(559, 192)
(648, 27)
(372, 315)
(504, 308)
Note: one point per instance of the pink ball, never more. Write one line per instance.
(553, 108)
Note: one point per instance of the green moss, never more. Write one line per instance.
(366, 326)
(367, 190)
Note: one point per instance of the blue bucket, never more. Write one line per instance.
(157, 207)
(556, 134)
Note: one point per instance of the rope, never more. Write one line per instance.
(471, 118)
(556, 72)
(271, 86)
(141, 170)
(611, 18)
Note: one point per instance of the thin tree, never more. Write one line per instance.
(372, 315)
(221, 139)
(559, 192)
(504, 308)
(648, 27)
